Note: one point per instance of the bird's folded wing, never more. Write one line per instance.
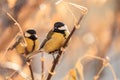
(50, 33)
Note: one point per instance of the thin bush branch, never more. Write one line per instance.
(6, 50)
(19, 27)
(32, 54)
(21, 32)
(17, 70)
(105, 62)
(107, 47)
(25, 43)
(30, 68)
(98, 74)
(69, 10)
(24, 75)
(79, 68)
(83, 9)
(42, 66)
(113, 72)
(10, 76)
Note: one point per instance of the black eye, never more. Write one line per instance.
(58, 24)
(31, 31)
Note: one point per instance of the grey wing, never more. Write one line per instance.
(50, 33)
(19, 38)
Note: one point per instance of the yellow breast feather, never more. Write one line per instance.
(56, 41)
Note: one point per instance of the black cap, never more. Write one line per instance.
(58, 24)
(31, 31)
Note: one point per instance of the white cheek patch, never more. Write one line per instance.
(27, 34)
(35, 35)
(66, 28)
(62, 28)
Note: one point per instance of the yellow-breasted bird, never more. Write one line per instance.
(55, 38)
(31, 40)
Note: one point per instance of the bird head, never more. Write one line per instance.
(31, 33)
(60, 26)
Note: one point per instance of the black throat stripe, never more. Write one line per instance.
(33, 46)
(60, 31)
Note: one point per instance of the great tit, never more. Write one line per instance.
(31, 40)
(55, 38)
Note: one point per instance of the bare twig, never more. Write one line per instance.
(113, 30)
(42, 66)
(7, 49)
(83, 9)
(105, 62)
(32, 54)
(21, 31)
(11, 76)
(24, 75)
(112, 70)
(30, 68)
(79, 68)
(98, 74)
(61, 52)
(18, 25)
(16, 72)
(69, 10)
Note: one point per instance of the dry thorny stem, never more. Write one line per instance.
(20, 30)
(42, 66)
(22, 34)
(105, 62)
(30, 67)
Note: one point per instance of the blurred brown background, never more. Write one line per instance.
(99, 33)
